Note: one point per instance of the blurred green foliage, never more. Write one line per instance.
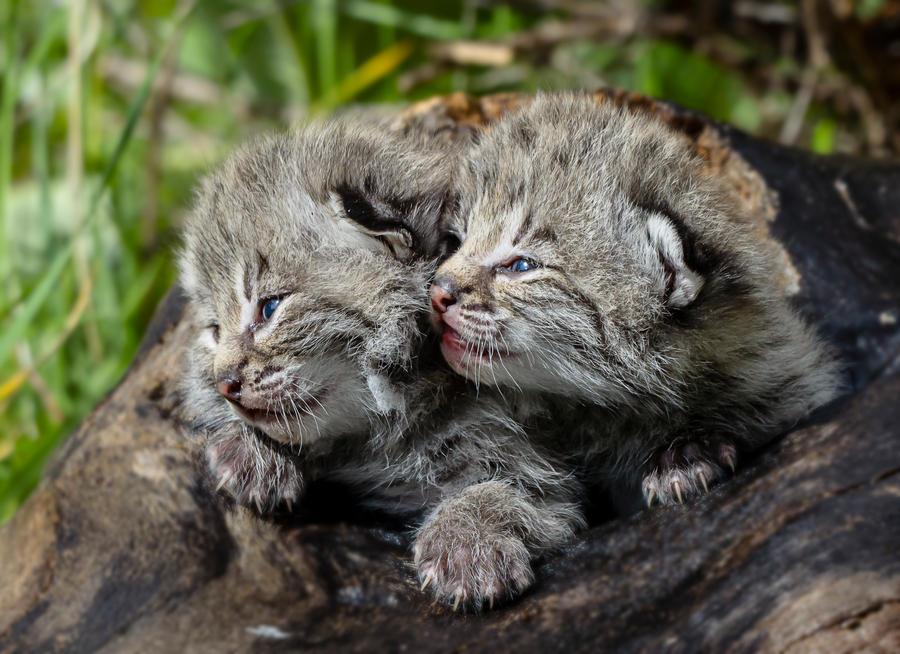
(111, 109)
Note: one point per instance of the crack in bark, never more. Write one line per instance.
(838, 621)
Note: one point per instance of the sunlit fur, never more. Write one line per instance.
(356, 393)
(653, 307)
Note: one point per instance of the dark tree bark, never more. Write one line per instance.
(124, 547)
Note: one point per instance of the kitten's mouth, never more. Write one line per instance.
(452, 340)
(460, 353)
(276, 413)
(254, 415)
(464, 357)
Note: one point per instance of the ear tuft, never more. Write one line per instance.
(682, 285)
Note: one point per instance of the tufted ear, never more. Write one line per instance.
(682, 285)
(377, 220)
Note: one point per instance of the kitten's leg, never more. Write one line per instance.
(477, 546)
(686, 469)
(253, 472)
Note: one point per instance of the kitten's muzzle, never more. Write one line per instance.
(230, 389)
(444, 312)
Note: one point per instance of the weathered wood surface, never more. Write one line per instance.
(123, 547)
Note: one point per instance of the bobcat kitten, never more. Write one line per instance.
(307, 261)
(601, 267)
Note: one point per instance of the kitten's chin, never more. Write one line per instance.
(279, 433)
(272, 425)
(288, 420)
(473, 363)
(318, 418)
(520, 373)
(299, 432)
(461, 356)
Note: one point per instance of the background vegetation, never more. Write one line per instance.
(111, 109)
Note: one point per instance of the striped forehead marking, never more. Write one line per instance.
(243, 292)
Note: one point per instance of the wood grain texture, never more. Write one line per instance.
(124, 547)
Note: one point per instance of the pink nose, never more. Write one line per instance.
(441, 298)
(230, 389)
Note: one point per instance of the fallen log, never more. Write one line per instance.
(125, 547)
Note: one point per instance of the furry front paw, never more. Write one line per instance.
(687, 469)
(468, 567)
(254, 474)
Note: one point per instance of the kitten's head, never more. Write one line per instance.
(306, 261)
(589, 237)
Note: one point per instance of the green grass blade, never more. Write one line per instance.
(12, 333)
(296, 74)
(40, 155)
(325, 22)
(53, 29)
(432, 28)
(134, 113)
(371, 71)
(7, 131)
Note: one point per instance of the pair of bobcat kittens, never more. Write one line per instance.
(617, 314)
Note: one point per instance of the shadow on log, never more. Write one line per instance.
(124, 547)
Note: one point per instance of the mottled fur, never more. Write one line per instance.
(646, 304)
(339, 223)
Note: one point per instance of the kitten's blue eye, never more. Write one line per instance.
(521, 265)
(268, 308)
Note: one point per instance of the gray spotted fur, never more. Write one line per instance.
(653, 313)
(356, 393)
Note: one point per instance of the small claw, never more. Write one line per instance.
(651, 495)
(727, 456)
(289, 503)
(491, 602)
(257, 500)
(677, 488)
(456, 601)
(703, 481)
(428, 579)
(224, 480)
